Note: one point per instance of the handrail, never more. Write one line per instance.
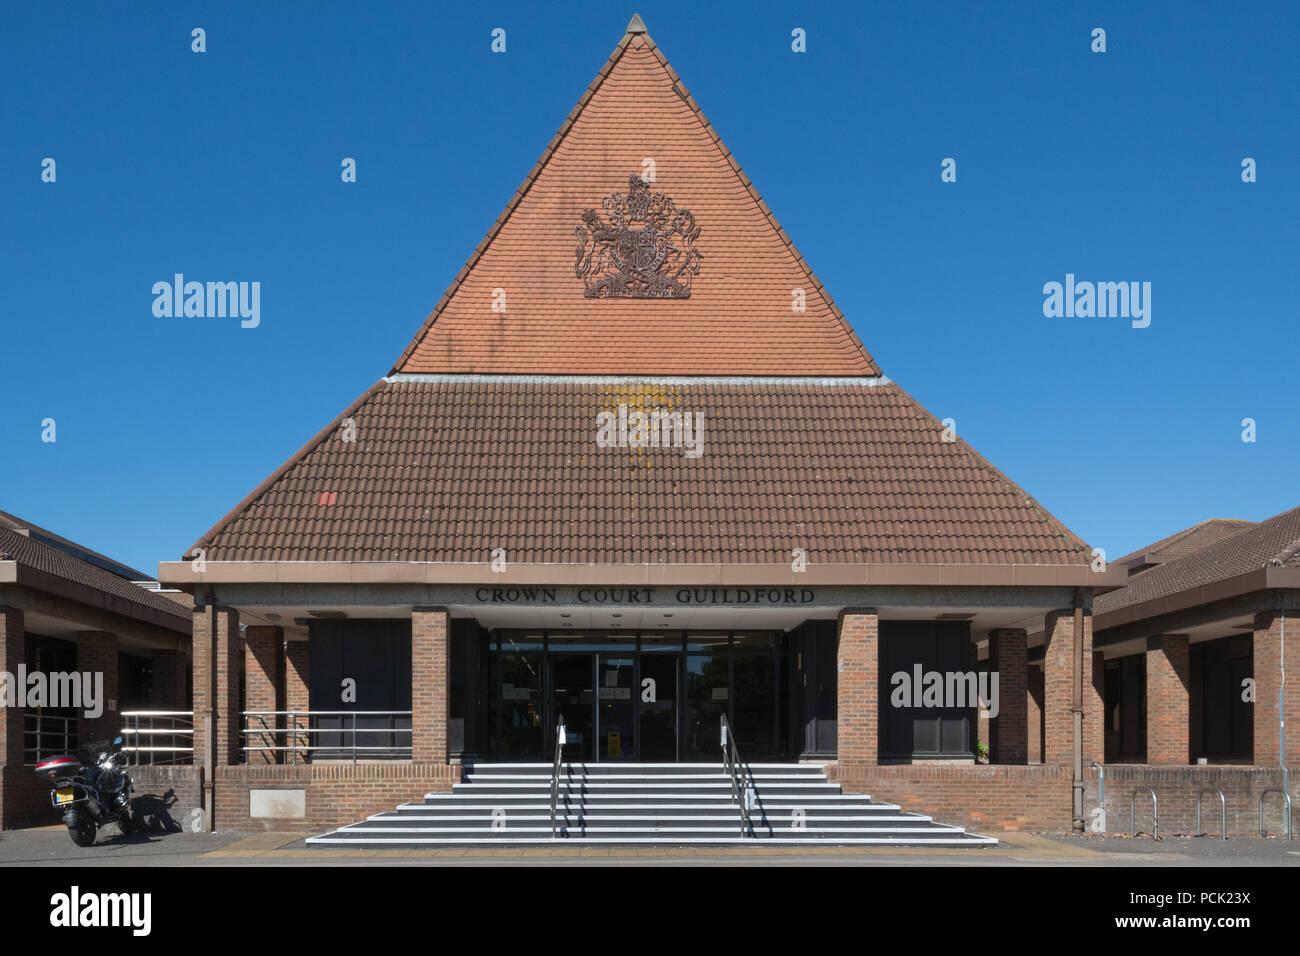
(300, 739)
(555, 770)
(1285, 796)
(142, 738)
(1155, 813)
(1223, 811)
(65, 733)
(731, 764)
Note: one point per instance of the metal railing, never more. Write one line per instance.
(1223, 811)
(47, 735)
(733, 767)
(299, 733)
(158, 736)
(555, 772)
(1155, 813)
(1286, 811)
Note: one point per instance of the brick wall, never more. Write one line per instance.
(13, 651)
(980, 798)
(166, 798)
(1169, 672)
(218, 674)
(1010, 732)
(295, 675)
(1268, 675)
(336, 793)
(264, 689)
(97, 654)
(1035, 715)
(429, 665)
(1177, 787)
(169, 691)
(1058, 693)
(858, 687)
(24, 797)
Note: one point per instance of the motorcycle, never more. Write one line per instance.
(91, 793)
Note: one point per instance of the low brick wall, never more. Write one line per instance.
(25, 799)
(167, 799)
(982, 797)
(1177, 787)
(331, 794)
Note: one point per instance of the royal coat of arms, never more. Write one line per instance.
(644, 247)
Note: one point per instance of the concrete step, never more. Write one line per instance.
(639, 804)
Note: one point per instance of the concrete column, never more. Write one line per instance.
(96, 656)
(858, 687)
(1168, 663)
(430, 634)
(1058, 692)
(1269, 673)
(1008, 659)
(264, 690)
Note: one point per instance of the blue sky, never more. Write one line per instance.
(1122, 166)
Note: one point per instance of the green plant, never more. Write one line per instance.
(981, 750)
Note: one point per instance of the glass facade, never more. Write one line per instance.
(653, 697)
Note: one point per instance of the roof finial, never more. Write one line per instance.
(637, 25)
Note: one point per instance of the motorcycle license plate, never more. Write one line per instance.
(66, 795)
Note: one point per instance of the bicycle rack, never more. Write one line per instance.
(1155, 813)
(1285, 796)
(1223, 811)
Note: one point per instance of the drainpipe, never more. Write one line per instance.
(1077, 709)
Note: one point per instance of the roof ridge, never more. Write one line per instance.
(1168, 541)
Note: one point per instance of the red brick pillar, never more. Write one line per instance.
(295, 675)
(296, 696)
(1094, 704)
(1008, 659)
(13, 651)
(96, 658)
(1269, 673)
(264, 690)
(169, 680)
(429, 661)
(218, 667)
(1034, 706)
(1168, 661)
(1058, 699)
(858, 687)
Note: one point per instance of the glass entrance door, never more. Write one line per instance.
(659, 699)
(615, 730)
(646, 696)
(571, 697)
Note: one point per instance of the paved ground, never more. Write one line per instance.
(50, 846)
